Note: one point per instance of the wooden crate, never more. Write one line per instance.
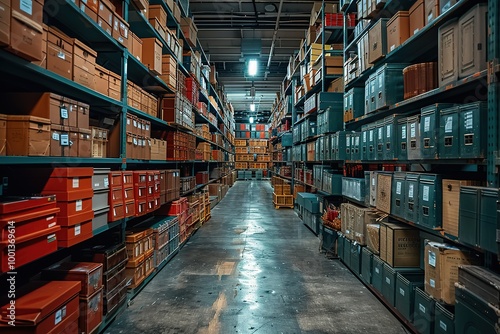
(283, 201)
(240, 142)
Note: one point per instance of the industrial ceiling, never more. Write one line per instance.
(231, 32)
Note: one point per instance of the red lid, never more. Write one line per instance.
(72, 172)
(9, 204)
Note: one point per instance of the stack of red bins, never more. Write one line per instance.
(180, 208)
(153, 190)
(116, 209)
(163, 187)
(140, 192)
(34, 220)
(192, 91)
(202, 177)
(91, 294)
(128, 194)
(73, 190)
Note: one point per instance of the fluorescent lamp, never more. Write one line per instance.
(252, 107)
(251, 119)
(252, 67)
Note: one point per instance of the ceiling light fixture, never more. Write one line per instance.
(252, 67)
(251, 120)
(271, 7)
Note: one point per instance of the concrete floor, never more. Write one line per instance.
(254, 269)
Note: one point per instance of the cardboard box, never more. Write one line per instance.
(399, 245)
(373, 238)
(336, 86)
(311, 35)
(115, 86)
(157, 12)
(121, 30)
(377, 37)
(417, 17)
(176, 12)
(59, 140)
(28, 136)
(4, 22)
(136, 46)
(162, 31)
(82, 117)
(84, 143)
(190, 30)
(59, 53)
(26, 29)
(105, 26)
(83, 64)
(84, 7)
(384, 191)
(43, 62)
(451, 203)
(152, 54)
(93, 5)
(101, 80)
(441, 269)
(398, 30)
(431, 10)
(105, 15)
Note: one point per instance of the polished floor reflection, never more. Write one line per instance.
(254, 269)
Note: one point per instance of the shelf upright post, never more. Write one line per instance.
(323, 33)
(493, 94)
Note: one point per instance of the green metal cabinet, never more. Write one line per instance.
(319, 151)
(398, 194)
(371, 144)
(340, 245)
(423, 315)
(371, 101)
(402, 140)
(287, 140)
(340, 144)
(330, 120)
(366, 265)
(355, 146)
(449, 143)
(413, 133)
(389, 85)
(429, 129)
(327, 147)
(488, 224)
(390, 146)
(473, 130)
(356, 260)
(364, 143)
(354, 100)
(444, 320)
(347, 252)
(468, 213)
(406, 283)
(473, 315)
(377, 273)
(412, 200)
(379, 132)
(430, 205)
(389, 280)
(348, 152)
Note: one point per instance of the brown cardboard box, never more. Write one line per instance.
(89, 11)
(59, 53)
(451, 203)
(43, 63)
(101, 79)
(177, 12)
(73, 142)
(373, 238)
(136, 46)
(4, 22)
(162, 31)
(399, 245)
(84, 143)
(141, 4)
(190, 30)
(162, 150)
(59, 135)
(152, 54)
(334, 61)
(83, 64)
(3, 135)
(169, 65)
(26, 29)
(431, 10)
(93, 5)
(311, 35)
(378, 44)
(157, 12)
(82, 120)
(398, 30)
(363, 218)
(106, 10)
(115, 88)
(105, 26)
(336, 86)
(417, 17)
(384, 189)
(28, 136)
(441, 269)
(121, 30)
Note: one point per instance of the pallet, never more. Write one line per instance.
(281, 206)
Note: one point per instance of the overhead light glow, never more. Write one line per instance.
(252, 67)
(251, 119)
(252, 107)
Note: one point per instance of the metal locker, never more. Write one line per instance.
(413, 132)
(373, 189)
(379, 140)
(370, 148)
(348, 137)
(473, 130)
(423, 317)
(390, 137)
(398, 194)
(412, 197)
(367, 97)
(447, 52)
(401, 140)
(333, 146)
(429, 129)
(377, 273)
(341, 145)
(488, 219)
(468, 213)
(364, 143)
(355, 101)
(472, 41)
(449, 146)
(332, 120)
(430, 195)
(355, 146)
(389, 86)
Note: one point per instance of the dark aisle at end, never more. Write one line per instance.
(254, 269)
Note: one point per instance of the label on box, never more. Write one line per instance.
(26, 6)
(448, 126)
(64, 112)
(413, 130)
(427, 123)
(380, 81)
(398, 188)
(55, 136)
(364, 137)
(388, 280)
(403, 132)
(469, 120)
(348, 143)
(61, 55)
(410, 191)
(421, 308)
(379, 133)
(402, 292)
(388, 131)
(415, 31)
(106, 182)
(135, 123)
(78, 229)
(76, 182)
(373, 182)
(443, 325)
(371, 135)
(432, 259)
(393, 47)
(432, 283)
(426, 194)
(377, 270)
(128, 121)
(79, 205)
(357, 141)
(64, 139)
(60, 315)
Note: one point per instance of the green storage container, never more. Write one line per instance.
(333, 146)
(311, 204)
(340, 245)
(331, 101)
(372, 97)
(356, 260)
(287, 140)
(340, 144)
(377, 273)
(241, 175)
(297, 134)
(401, 140)
(473, 315)
(429, 129)
(348, 138)
(309, 128)
(303, 130)
(413, 133)
(449, 143)
(390, 137)
(389, 280)
(468, 214)
(303, 152)
(398, 194)
(332, 118)
(366, 265)
(332, 183)
(328, 238)
(389, 87)
(430, 206)
(488, 224)
(423, 315)
(249, 174)
(258, 174)
(355, 146)
(367, 96)
(367, 189)
(371, 143)
(444, 320)
(327, 147)
(347, 252)
(318, 153)
(364, 143)
(354, 99)
(379, 130)
(473, 130)
(406, 283)
(412, 200)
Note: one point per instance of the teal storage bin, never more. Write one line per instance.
(348, 139)
(468, 213)
(488, 224)
(303, 152)
(340, 144)
(366, 265)
(423, 315)
(389, 87)
(449, 143)
(327, 147)
(371, 100)
(347, 252)
(318, 149)
(444, 320)
(413, 133)
(390, 146)
(379, 132)
(355, 146)
(331, 119)
(331, 101)
(377, 273)
(405, 292)
(473, 315)
(412, 200)
(354, 98)
(473, 120)
(297, 133)
(371, 143)
(429, 129)
(398, 194)
(402, 140)
(356, 260)
(364, 143)
(287, 140)
(430, 205)
(389, 280)
(340, 245)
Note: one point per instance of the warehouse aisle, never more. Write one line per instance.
(254, 269)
